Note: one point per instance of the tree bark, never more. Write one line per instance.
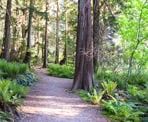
(96, 33)
(28, 53)
(64, 60)
(83, 78)
(57, 34)
(45, 45)
(6, 42)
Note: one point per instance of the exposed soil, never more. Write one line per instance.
(50, 101)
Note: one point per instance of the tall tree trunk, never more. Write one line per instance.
(83, 78)
(64, 60)
(38, 46)
(96, 33)
(57, 34)
(6, 42)
(28, 53)
(45, 44)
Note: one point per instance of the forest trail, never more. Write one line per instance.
(50, 101)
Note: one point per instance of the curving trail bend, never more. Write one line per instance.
(49, 101)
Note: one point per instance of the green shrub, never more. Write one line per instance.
(61, 71)
(5, 117)
(26, 79)
(95, 97)
(84, 95)
(11, 69)
(109, 87)
(138, 94)
(121, 77)
(11, 94)
(121, 111)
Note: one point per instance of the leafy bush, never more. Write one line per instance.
(121, 111)
(11, 69)
(11, 93)
(95, 97)
(61, 71)
(121, 77)
(4, 117)
(138, 94)
(109, 87)
(26, 79)
(84, 95)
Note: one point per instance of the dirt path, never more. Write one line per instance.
(49, 101)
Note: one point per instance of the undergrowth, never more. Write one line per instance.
(12, 69)
(62, 71)
(119, 102)
(14, 81)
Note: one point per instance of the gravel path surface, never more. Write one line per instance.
(49, 101)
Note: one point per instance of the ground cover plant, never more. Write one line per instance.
(120, 103)
(62, 71)
(26, 79)
(11, 96)
(14, 81)
(12, 69)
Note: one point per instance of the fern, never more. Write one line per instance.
(95, 97)
(109, 87)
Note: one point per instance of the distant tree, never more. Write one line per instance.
(6, 41)
(28, 53)
(83, 78)
(57, 34)
(45, 45)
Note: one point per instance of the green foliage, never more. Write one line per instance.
(5, 95)
(4, 116)
(121, 111)
(132, 22)
(95, 97)
(121, 77)
(84, 95)
(18, 90)
(109, 87)
(135, 95)
(26, 79)
(11, 69)
(138, 94)
(108, 75)
(61, 71)
(14, 79)
(139, 79)
(11, 94)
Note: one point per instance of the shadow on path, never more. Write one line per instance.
(49, 101)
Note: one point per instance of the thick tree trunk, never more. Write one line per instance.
(28, 53)
(45, 45)
(6, 42)
(96, 33)
(57, 34)
(83, 78)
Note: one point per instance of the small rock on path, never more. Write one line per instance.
(49, 101)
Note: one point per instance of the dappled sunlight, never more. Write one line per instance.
(49, 100)
(53, 105)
